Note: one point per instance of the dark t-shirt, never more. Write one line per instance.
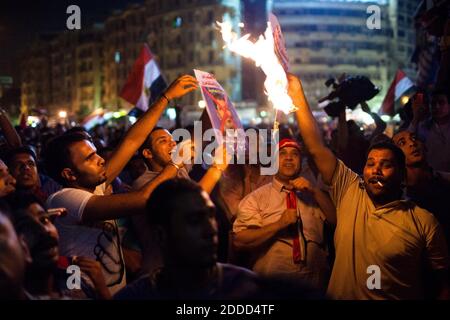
(435, 197)
(234, 283)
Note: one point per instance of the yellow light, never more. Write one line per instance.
(404, 100)
(62, 114)
(202, 104)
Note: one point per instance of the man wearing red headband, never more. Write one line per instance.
(281, 223)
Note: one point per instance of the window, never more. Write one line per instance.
(210, 18)
(211, 57)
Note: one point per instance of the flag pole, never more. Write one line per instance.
(275, 122)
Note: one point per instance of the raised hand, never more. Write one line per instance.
(287, 218)
(181, 86)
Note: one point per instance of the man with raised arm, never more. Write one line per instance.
(89, 228)
(385, 246)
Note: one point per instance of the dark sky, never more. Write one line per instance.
(20, 21)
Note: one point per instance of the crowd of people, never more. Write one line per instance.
(360, 215)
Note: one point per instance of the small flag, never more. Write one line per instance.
(401, 86)
(144, 75)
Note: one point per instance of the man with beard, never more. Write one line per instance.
(385, 246)
(89, 228)
(428, 188)
(46, 276)
(184, 217)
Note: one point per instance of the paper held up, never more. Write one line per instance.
(263, 53)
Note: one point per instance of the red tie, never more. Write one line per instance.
(298, 246)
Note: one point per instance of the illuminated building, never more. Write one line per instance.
(124, 34)
(183, 36)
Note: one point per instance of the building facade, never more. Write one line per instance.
(36, 86)
(183, 35)
(124, 34)
(401, 19)
(325, 39)
(84, 70)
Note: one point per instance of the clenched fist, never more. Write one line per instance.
(287, 218)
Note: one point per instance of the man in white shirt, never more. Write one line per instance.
(287, 236)
(89, 229)
(157, 153)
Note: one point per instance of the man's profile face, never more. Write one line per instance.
(7, 182)
(24, 169)
(88, 166)
(193, 236)
(162, 145)
(289, 163)
(41, 236)
(381, 166)
(411, 146)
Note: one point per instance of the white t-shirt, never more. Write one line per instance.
(99, 240)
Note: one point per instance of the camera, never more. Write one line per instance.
(348, 92)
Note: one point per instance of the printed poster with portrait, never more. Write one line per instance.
(219, 107)
(279, 43)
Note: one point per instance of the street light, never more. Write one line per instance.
(62, 114)
(404, 100)
(202, 104)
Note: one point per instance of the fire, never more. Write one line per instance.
(263, 53)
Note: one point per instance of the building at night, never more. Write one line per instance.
(36, 79)
(401, 19)
(124, 33)
(183, 36)
(79, 71)
(326, 38)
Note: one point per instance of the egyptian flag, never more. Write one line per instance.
(401, 86)
(144, 76)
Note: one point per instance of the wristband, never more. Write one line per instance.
(175, 165)
(165, 97)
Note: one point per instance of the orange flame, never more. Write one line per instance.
(263, 53)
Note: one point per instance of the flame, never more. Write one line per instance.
(263, 53)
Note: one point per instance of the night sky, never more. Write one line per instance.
(21, 21)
